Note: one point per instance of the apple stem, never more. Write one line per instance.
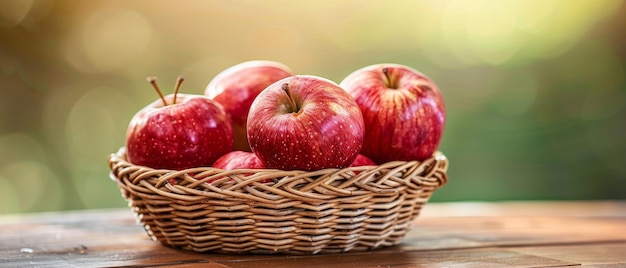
(179, 81)
(387, 80)
(153, 81)
(294, 104)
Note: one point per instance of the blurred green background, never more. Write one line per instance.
(535, 90)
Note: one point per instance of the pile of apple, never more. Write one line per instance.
(258, 115)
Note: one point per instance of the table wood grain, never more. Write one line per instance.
(463, 234)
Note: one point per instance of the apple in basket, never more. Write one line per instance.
(178, 131)
(403, 111)
(237, 160)
(362, 160)
(236, 87)
(240, 160)
(305, 122)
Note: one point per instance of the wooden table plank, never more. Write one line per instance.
(587, 254)
(503, 235)
(480, 257)
(514, 230)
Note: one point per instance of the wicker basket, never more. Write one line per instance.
(272, 211)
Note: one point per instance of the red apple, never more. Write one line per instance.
(178, 131)
(238, 159)
(362, 160)
(305, 123)
(236, 87)
(403, 111)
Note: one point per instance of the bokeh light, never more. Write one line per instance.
(535, 90)
(27, 182)
(13, 13)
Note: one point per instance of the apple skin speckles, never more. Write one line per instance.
(236, 87)
(324, 130)
(403, 111)
(239, 160)
(193, 132)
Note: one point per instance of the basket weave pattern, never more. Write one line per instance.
(273, 211)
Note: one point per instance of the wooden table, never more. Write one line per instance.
(509, 234)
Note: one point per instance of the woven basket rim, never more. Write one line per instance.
(367, 178)
(120, 155)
